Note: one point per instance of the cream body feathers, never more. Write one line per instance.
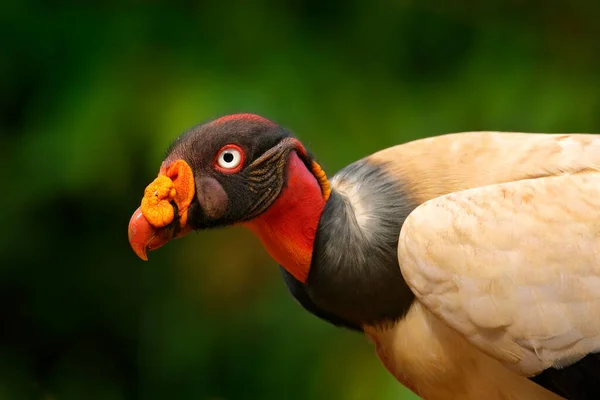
(503, 257)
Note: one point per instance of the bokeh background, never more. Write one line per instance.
(92, 94)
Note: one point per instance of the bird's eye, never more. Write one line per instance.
(230, 158)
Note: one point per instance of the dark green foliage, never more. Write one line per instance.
(92, 95)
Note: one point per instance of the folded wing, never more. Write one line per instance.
(514, 267)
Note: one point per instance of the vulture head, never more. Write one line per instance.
(236, 170)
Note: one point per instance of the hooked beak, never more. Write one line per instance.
(144, 237)
(163, 213)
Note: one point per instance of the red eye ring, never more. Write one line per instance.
(230, 159)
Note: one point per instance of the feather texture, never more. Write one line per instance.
(514, 267)
(502, 255)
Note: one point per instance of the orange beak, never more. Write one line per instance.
(144, 237)
(155, 223)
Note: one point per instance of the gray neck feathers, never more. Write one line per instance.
(354, 272)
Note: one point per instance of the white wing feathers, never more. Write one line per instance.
(514, 267)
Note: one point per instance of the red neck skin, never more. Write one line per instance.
(288, 227)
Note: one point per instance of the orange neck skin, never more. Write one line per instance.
(288, 227)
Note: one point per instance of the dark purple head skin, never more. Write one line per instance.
(228, 198)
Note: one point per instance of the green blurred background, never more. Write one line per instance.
(93, 94)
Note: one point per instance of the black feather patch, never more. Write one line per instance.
(298, 291)
(579, 381)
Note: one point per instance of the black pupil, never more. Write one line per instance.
(228, 157)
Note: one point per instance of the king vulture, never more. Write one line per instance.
(471, 260)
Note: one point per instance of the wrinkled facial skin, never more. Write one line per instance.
(222, 197)
(223, 191)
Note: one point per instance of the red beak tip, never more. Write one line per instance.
(140, 249)
(140, 234)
